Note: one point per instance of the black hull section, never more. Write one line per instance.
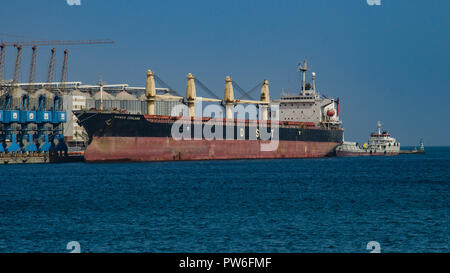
(106, 124)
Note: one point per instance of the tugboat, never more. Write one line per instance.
(380, 143)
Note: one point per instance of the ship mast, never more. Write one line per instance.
(303, 68)
(379, 127)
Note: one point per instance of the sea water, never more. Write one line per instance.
(288, 205)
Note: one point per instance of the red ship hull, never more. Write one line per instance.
(104, 149)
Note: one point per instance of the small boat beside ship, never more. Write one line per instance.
(380, 143)
(415, 151)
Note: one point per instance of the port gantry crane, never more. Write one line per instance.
(34, 44)
(38, 128)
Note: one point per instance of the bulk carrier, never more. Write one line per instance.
(304, 125)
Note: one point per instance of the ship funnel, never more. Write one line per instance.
(229, 97)
(191, 94)
(150, 92)
(265, 98)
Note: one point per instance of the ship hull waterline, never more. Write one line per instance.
(142, 149)
(134, 137)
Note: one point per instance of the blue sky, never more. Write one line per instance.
(388, 62)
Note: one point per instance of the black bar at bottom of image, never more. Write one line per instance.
(227, 262)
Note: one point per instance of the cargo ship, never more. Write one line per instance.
(303, 125)
(380, 143)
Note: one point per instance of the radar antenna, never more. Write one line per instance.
(379, 127)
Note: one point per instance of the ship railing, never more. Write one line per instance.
(237, 122)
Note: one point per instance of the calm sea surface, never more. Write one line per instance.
(301, 205)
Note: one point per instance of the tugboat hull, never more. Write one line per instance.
(365, 153)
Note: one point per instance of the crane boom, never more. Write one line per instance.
(32, 69)
(249, 92)
(60, 42)
(64, 70)
(2, 60)
(17, 66)
(51, 67)
(34, 44)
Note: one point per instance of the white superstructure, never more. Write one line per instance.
(380, 143)
(383, 142)
(308, 105)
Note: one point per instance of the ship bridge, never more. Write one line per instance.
(308, 105)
